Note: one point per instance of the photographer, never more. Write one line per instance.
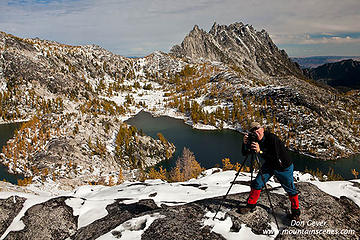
(277, 162)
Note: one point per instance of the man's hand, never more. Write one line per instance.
(245, 138)
(255, 146)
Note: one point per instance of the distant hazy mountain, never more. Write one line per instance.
(316, 61)
(344, 74)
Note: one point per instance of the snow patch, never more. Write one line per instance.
(222, 225)
(340, 188)
(3, 86)
(131, 229)
(88, 210)
(17, 224)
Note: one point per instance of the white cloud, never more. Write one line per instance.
(306, 39)
(331, 40)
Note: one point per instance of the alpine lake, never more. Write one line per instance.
(7, 132)
(208, 146)
(211, 146)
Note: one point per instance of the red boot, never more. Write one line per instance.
(295, 210)
(251, 203)
(254, 196)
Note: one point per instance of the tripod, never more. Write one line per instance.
(254, 156)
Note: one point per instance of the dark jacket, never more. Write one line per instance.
(274, 152)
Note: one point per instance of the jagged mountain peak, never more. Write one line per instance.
(197, 32)
(237, 44)
(233, 26)
(196, 28)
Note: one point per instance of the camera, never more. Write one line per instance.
(252, 137)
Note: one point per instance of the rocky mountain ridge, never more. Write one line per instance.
(240, 45)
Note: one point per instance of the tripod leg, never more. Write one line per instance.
(236, 175)
(267, 191)
(251, 166)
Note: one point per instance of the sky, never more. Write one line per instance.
(140, 27)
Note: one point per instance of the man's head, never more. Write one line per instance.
(256, 128)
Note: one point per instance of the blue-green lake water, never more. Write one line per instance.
(7, 132)
(211, 146)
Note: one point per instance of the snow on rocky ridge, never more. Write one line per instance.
(184, 210)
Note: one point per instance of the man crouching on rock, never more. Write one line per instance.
(277, 162)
